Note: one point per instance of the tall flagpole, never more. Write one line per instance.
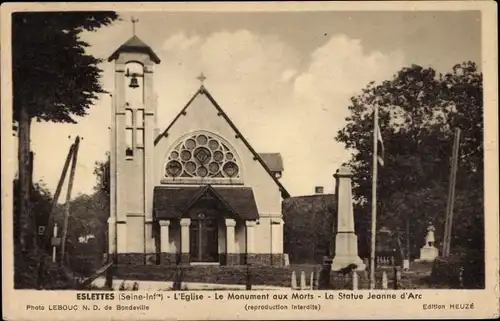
(374, 198)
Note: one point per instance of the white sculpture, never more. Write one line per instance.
(429, 252)
(430, 239)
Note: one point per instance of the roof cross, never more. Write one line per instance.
(201, 78)
(134, 21)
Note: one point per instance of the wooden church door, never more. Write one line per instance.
(204, 239)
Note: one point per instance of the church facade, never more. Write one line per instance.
(192, 192)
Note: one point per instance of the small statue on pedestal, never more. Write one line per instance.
(430, 239)
(429, 252)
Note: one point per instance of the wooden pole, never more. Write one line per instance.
(60, 184)
(374, 198)
(451, 195)
(68, 200)
(50, 220)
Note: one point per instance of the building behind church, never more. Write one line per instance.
(310, 226)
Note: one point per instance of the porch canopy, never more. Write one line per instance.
(175, 202)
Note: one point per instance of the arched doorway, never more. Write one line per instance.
(204, 238)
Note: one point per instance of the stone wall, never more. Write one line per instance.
(262, 275)
(131, 258)
(265, 259)
(168, 259)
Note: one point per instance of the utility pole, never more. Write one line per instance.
(62, 178)
(47, 239)
(68, 200)
(374, 199)
(451, 195)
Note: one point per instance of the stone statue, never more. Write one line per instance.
(430, 239)
(429, 252)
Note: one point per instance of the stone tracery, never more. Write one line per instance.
(202, 155)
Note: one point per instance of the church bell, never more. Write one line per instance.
(133, 82)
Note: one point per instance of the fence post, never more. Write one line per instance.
(311, 281)
(179, 276)
(324, 281)
(316, 280)
(109, 278)
(406, 264)
(303, 280)
(355, 285)
(294, 280)
(248, 285)
(397, 278)
(385, 282)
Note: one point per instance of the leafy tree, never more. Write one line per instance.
(41, 201)
(89, 214)
(418, 111)
(102, 172)
(53, 79)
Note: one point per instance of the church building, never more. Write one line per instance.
(193, 191)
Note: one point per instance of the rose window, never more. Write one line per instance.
(202, 156)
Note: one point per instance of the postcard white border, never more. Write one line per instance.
(486, 301)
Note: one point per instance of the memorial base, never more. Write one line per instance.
(428, 254)
(341, 262)
(346, 252)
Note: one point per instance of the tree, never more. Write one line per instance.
(41, 201)
(102, 172)
(89, 214)
(53, 80)
(419, 110)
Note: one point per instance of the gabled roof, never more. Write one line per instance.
(256, 156)
(208, 190)
(273, 161)
(174, 202)
(135, 44)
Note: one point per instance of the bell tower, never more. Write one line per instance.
(133, 126)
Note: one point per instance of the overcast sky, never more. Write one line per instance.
(285, 79)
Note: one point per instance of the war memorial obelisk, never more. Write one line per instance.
(346, 241)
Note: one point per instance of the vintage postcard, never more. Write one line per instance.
(253, 161)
